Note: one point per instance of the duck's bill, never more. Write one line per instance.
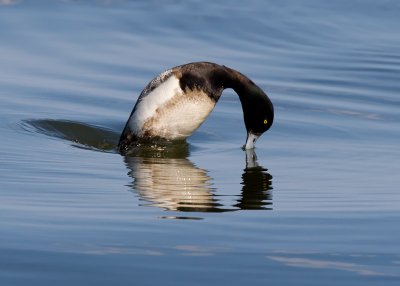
(251, 140)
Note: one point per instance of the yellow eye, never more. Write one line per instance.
(265, 121)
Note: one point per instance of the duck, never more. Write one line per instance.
(176, 102)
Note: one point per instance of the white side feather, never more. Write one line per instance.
(155, 99)
(170, 113)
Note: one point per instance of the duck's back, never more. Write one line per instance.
(174, 104)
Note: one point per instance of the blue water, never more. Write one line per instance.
(318, 203)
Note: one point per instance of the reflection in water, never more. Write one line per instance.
(177, 184)
(173, 184)
(162, 174)
(256, 183)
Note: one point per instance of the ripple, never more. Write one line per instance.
(80, 134)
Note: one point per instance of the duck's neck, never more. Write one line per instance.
(252, 98)
(241, 84)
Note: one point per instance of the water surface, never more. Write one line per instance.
(317, 203)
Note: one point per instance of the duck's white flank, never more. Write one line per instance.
(169, 112)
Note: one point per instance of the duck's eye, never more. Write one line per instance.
(265, 121)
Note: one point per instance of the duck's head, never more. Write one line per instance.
(258, 113)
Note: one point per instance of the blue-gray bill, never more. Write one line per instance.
(251, 140)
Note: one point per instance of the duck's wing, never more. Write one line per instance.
(152, 85)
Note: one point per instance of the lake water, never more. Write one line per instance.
(318, 205)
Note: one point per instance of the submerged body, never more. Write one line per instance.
(177, 102)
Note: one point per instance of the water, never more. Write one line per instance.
(318, 202)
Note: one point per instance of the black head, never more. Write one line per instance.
(258, 111)
(258, 114)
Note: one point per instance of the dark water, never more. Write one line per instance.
(318, 203)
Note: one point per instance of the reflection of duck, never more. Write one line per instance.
(174, 104)
(173, 184)
(163, 176)
(177, 184)
(257, 185)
